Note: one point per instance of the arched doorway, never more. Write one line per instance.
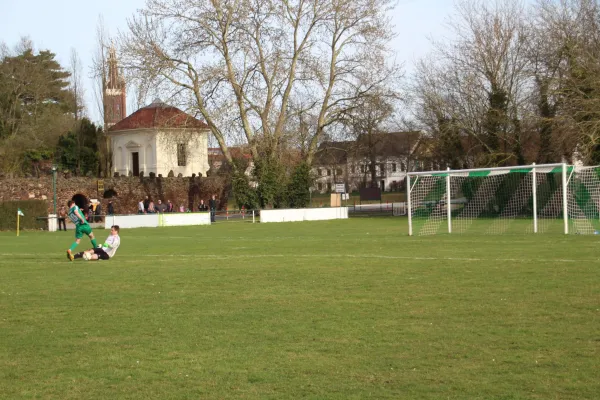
(81, 201)
(109, 194)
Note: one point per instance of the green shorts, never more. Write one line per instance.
(81, 229)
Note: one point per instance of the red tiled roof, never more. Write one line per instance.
(158, 115)
(215, 153)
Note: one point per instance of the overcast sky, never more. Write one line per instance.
(64, 24)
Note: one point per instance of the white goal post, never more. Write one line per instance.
(545, 198)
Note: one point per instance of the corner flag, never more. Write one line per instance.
(19, 214)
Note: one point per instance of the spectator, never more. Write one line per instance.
(160, 207)
(146, 204)
(141, 209)
(151, 209)
(212, 204)
(181, 208)
(202, 206)
(98, 213)
(169, 206)
(62, 218)
(90, 213)
(111, 209)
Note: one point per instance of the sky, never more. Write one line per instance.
(62, 25)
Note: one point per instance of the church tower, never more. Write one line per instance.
(114, 96)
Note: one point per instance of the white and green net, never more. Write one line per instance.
(550, 198)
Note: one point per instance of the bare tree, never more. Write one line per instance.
(76, 85)
(567, 54)
(474, 86)
(239, 64)
(99, 75)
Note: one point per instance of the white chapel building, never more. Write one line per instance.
(159, 138)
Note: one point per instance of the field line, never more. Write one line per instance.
(23, 257)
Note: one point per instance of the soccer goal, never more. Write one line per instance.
(546, 198)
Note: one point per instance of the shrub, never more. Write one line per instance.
(31, 209)
(298, 189)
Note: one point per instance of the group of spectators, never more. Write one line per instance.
(147, 206)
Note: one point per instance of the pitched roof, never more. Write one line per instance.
(158, 115)
(385, 144)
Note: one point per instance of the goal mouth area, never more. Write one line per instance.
(545, 198)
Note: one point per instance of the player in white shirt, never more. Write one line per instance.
(105, 251)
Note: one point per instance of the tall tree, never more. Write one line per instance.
(76, 85)
(77, 151)
(35, 107)
(249, 59)
(476, 81)
(571, 30)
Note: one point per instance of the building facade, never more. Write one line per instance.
(159, 139)
(381, 160)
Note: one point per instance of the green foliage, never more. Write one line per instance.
(273, 188)
(31, 209)
(270, 177)
(244, 195)
(35, 106)
(78, 151)
(298, 189)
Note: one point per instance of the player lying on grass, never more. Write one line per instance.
(105, 251)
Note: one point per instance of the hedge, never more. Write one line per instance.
(31, 209)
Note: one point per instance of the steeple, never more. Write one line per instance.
(114, 95)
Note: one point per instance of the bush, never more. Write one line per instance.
(298, 189)
(245, 196)
(31, 209)
(269, 174)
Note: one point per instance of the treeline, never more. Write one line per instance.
(41, 123)
(516, 84)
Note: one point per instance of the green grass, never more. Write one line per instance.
(349, 309)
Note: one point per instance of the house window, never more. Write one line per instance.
(320, 186)
(382, 168)
(393, 167)
(353, 169)
(181, 155)
(328, 172)
(402, 167)
(362, 169)
(329, 186)
(318, 171)
(338, 171)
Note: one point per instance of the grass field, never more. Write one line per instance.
(349, 309)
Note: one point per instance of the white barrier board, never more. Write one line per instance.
(131, 221)
(175, 219)
(156, 220)
(303, 214)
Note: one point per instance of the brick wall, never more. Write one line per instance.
(128, 190)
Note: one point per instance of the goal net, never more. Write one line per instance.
(550, 198)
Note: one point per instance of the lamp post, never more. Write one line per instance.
(54, 186)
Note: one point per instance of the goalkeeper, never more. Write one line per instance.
(105, 251)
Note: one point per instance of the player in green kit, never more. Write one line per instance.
(81, 227)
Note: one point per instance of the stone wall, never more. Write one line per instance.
(124, 192)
